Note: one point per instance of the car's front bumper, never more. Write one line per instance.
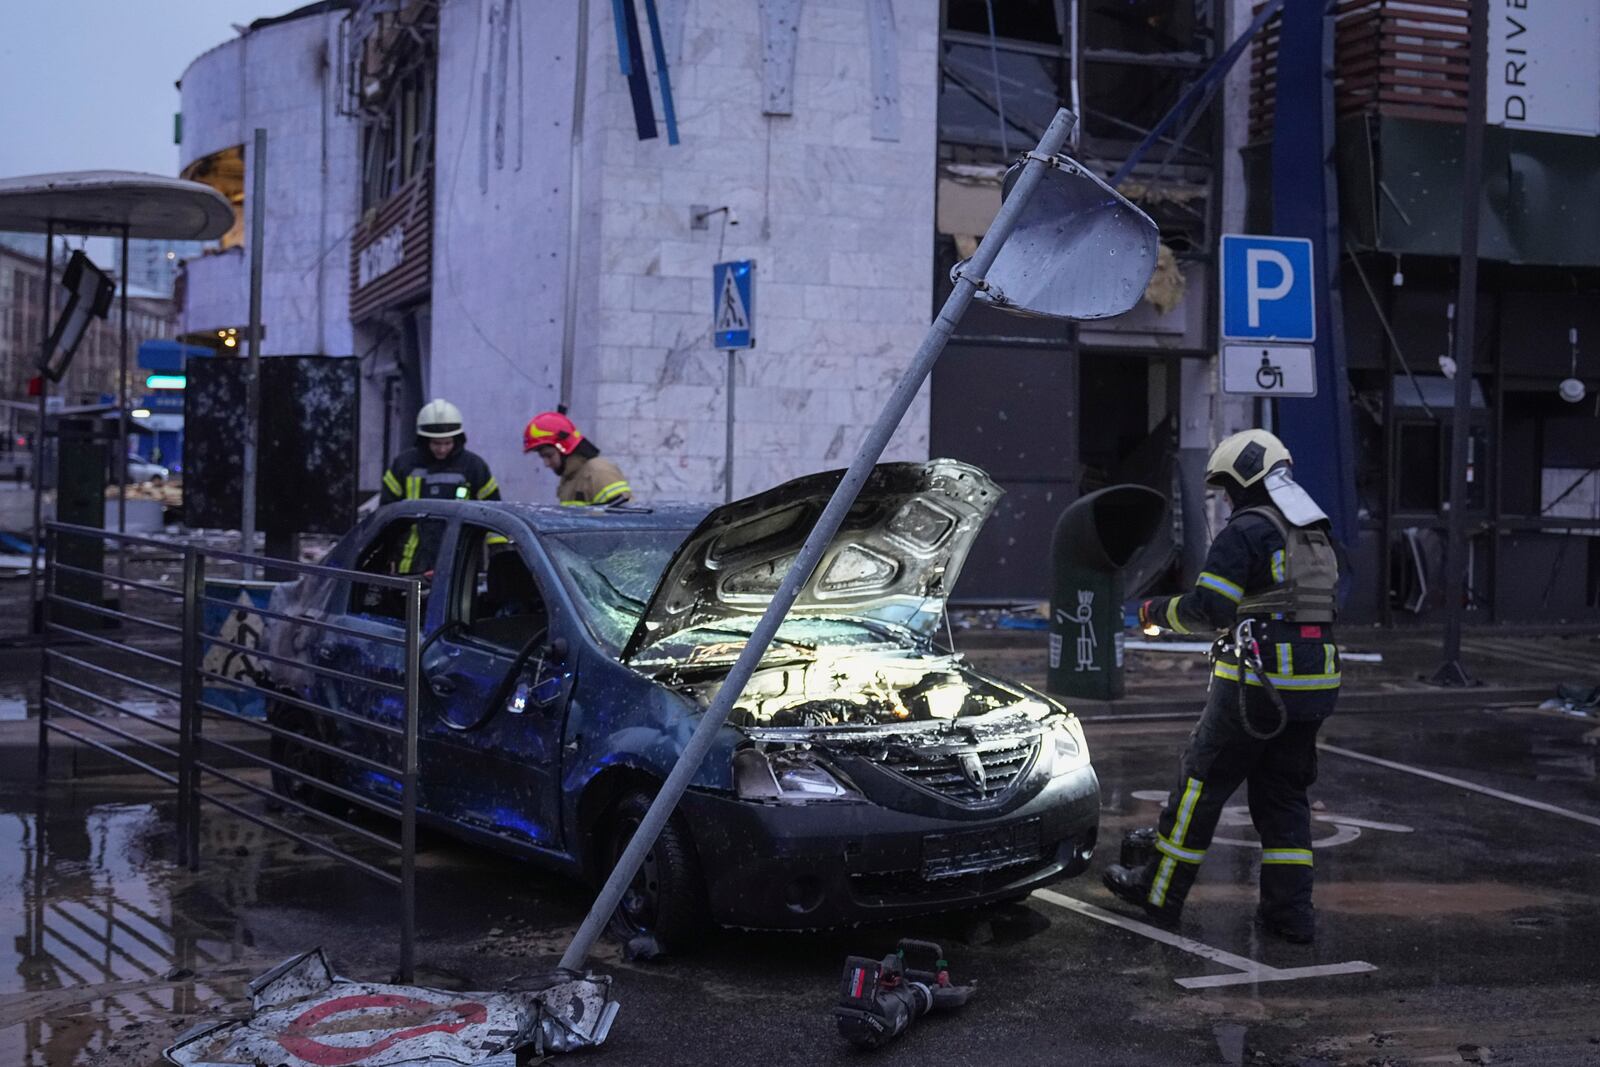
(799, 866)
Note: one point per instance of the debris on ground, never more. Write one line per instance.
(303, 1015)
(1574, 699)
(642, 948)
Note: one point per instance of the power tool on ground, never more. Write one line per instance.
(880, 999)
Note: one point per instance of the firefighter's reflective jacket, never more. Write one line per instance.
(416, 475)
(1261, 567)
(592, 480)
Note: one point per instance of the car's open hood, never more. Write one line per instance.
(893, 561)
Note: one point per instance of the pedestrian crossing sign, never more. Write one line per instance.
(733, 310)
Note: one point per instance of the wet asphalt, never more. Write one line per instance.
(1477, 914)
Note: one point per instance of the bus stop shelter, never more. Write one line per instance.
(103, 203)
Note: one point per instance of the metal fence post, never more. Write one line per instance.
(42, 605)
(189, 712)
(408, 799)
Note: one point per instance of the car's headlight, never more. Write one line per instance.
(791, 775)
(1070, 749)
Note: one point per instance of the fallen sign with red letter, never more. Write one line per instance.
(303, 1015)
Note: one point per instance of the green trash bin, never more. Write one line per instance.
(1096, 540)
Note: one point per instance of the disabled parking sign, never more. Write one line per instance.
(1268, 289)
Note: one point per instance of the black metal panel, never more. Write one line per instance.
(307, 461)
(1010, 560)
(1544, 577)
(1538, 201)
(1012, 411)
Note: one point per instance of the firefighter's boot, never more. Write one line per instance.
(1295, 927)
(1286, 910)
(1157, 887)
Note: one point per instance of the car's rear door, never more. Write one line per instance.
(495, 688)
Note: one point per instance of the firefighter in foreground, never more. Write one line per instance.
(438, 468)
(1269, 585)
(586, 476)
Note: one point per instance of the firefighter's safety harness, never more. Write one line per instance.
(1241, 643)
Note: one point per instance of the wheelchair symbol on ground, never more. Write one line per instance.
(1346, 828)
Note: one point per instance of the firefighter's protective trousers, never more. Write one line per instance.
(1220, 757)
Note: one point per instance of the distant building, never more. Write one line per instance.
(154, 265)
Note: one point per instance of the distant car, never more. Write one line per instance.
(142, 470)
(568, 653)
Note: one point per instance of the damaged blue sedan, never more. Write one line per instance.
(865, 773)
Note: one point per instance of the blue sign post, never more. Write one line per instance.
(733, 304)
(733, 326)
(1268, 289)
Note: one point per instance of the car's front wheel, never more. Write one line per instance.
(667, 898)
(297, 760)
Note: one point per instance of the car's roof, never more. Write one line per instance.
(552, 518)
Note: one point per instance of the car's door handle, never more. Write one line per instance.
(441, 686)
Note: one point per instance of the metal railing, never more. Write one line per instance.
(111, 666)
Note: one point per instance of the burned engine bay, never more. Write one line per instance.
(846, 691)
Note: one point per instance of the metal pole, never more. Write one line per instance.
(1451, 672)
(35, 611)
(44, 679)
(197, 719)
(569, 319)
(727, 469)
(122, 419)
(252, 377)
(817, 542)
(408, 785)
(188, 710)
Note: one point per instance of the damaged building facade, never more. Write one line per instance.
(503, 217)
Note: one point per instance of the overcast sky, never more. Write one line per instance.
(89, 84)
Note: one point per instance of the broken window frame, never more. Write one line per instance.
(397, 136)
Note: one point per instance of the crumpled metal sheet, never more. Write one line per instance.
(303, 1015)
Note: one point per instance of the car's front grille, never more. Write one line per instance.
(968, 775)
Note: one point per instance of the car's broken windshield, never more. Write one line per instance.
(611, 574)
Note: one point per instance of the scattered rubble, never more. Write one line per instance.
(303, 1015)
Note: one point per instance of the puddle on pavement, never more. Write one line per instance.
(106, 949)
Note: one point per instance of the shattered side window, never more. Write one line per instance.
(611, 575)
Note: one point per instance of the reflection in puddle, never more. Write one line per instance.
(102, 943)
(13, 709)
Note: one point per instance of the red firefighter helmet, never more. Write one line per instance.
(553, 429)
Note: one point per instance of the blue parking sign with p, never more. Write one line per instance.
(1268, 289)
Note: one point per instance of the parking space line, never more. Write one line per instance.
(1246, 970)
(1527, 802)
(1276, 974)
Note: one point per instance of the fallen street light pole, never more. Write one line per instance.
(866, 458)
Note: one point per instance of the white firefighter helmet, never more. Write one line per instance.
(438, 418)
(1245, 458)
(1257, 456)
